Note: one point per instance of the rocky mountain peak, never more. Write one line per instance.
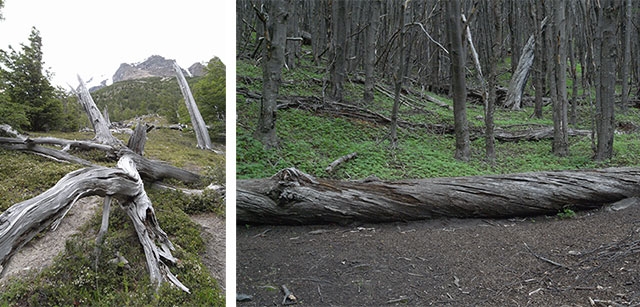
(153, 66)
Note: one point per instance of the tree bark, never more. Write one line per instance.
(398, 77)
(537, 11)
(458, 83)
(560, 145)
(275, 35)
(626, 62)
(22, 221)
(337, 67)
(199, 126)
(370, 51)
(100, 125)
(138, 139)
(520, 76)
(606, 74)
(292, 197)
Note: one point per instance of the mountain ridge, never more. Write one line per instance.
(153, 66)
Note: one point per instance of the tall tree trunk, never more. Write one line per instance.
(100, 125)
(458, 83)
(560, 120)
(337, 68)
(199, 126)
(293, 31)
(537, 12)
(398, 75)
(496, 50)
(275, 38)
(370, 50)
(626, 62)
(606, 73)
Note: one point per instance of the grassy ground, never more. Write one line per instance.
(311, 141)
(71, 280)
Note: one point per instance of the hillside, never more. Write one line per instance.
(70, 279)
(311, 140)
(131, 98)
(161, 95)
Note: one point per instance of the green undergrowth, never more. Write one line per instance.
(310, 141)
(72, 280)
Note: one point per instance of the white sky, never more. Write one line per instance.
(92, 38)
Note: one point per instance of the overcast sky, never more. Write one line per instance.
(92, 38)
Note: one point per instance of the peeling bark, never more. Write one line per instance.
(293, 197)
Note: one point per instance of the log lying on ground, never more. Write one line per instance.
(22, 221)
(292, 197)
(339, 161)
(537, 134)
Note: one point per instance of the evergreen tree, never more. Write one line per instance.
(26, 85)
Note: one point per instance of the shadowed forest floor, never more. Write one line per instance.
(589, 259)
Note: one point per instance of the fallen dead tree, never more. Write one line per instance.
(534, 134)
(22, 221)
(293, 197)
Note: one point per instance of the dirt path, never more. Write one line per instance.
(39, 253)
(588, 260)
(213, 232)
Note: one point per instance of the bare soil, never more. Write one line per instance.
(590, 259)
(39, 252)
(213, 232)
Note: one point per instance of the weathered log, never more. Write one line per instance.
(22, 221)
(542, 133)
(199, 126)
(57, 155)
(339, 161)
(158, 170)
(292, 197)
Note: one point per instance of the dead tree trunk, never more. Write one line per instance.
(138, 139)
(520, 76)
(199, 126)
(22, 221)
(100, 125)
(292, 197)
